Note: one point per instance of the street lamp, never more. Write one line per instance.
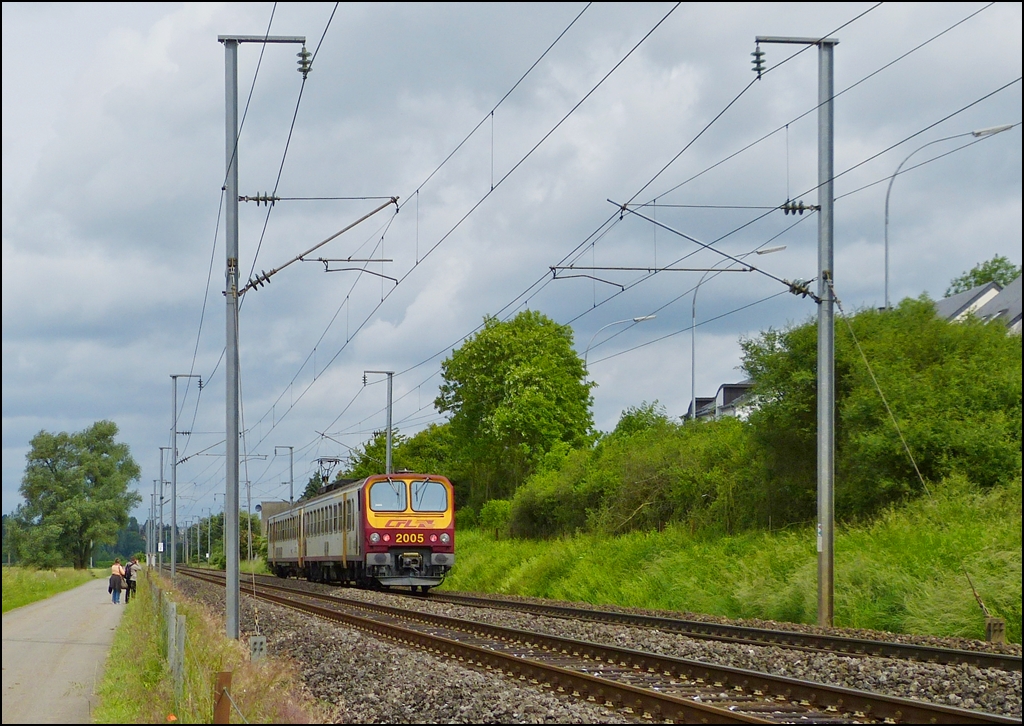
(992, 131)
(640, 319)
(693, 326)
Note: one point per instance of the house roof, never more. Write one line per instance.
(955, 306)
(1005, 306)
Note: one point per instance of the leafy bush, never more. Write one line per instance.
(954, 388)
(495, 514)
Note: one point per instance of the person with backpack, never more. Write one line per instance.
(130, 574)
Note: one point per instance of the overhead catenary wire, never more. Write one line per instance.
(836, 95)
(487, 194)
(507, 94)
(513, 169)
(220, 208)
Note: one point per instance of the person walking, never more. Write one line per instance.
(116, 581)
(131, 572)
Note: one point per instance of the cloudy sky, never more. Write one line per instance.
(113, 232)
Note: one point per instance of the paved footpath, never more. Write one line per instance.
(54, 653)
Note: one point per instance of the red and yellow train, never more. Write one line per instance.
(382, 531)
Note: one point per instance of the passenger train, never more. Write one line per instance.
(382, 531)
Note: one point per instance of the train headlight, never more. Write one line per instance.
(445, 539)
(375, 538)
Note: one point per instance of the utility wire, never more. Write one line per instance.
(220, 207)
(288, 142)
(490, 114)
(487, 194)
(772, 209)
(540, 281)
(901, 172)
(836, 95)
(450, 155)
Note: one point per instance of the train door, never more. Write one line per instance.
(302, 537)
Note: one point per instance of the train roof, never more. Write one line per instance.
(344, 484)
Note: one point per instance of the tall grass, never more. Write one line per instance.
(901, 572)
(22, 585)
(137, 685)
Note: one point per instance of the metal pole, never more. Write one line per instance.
(693, 350)
(174, 473)
(231, 299)
(231, 364)
(149, 528)
(160, 553)
(291, 471)
(174, 464)
(826, 338)
(391, 377)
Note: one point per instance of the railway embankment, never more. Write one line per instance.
(902, 572)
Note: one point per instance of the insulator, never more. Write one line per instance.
(758, 60)
(303, 62)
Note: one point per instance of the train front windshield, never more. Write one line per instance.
(387, 496)
(429, 496)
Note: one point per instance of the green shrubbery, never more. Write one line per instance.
(954, 388)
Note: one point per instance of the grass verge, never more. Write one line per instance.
(902, 572)
(137, 685)
(22, 585)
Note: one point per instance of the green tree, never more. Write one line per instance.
(513, 390)
(954, 388)
(998, 269)
(76, 494)
(313, 487)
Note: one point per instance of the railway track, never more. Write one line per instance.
(644, 684)
(749, 635)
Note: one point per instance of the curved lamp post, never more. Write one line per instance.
(693, 326)
(977, 134)
(639, 319)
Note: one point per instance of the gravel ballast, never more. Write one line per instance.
(370, 680)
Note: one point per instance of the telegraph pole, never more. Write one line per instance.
(231, 43)
(826, 321)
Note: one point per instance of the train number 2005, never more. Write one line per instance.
(408, 538)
